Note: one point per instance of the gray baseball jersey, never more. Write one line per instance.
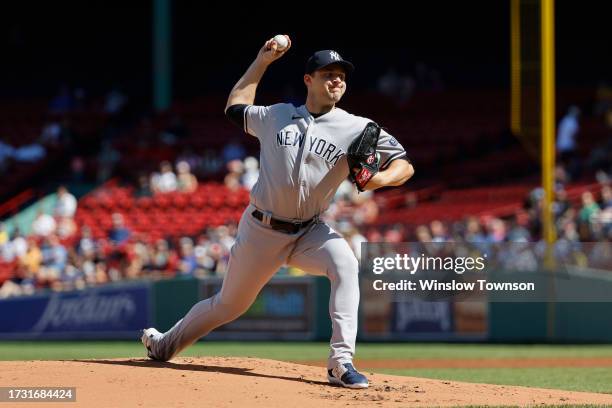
(302, 157)
(302, 165)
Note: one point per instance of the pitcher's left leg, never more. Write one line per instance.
(322, 251)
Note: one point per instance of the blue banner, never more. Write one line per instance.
(117, 311)
(418, 316)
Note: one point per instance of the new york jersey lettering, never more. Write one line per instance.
(317, 146)
(325, 149)
(289, 138)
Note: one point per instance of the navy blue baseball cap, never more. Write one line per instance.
(324, 58)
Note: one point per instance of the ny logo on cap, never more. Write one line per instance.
(334, 55)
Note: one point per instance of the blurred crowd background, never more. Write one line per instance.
(99, 187)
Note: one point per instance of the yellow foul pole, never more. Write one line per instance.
(548, 152)
(548, 116)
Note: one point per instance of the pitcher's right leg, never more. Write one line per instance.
(254, 259)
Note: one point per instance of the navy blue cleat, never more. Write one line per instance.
(346, 376)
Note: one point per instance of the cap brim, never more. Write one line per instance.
(348, 67)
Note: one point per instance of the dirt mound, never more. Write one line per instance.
(225, 382)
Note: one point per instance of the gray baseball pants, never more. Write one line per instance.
(258, 253)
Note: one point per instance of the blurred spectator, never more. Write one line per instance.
(114, 102)
(118, 234)
(54, 260)
(71, 278)
(235, 166)
(86, 246)
(186, 181)
(394, 234)
(77, 169)
(16, 247)
(566, 138)
(374, 235)
(561, 203)
(43, 225)
(496, 230)
(234, 150)
(569, 231)
(66, 227)
(146, 256)
(422, 234)
(141, 258)
(107, 159)
(232, 181)
(164, 181)
(66, 204)
(221, 235)
(561, 176)
(211, 162)
(366, 209)
(251, 172)
(143, 189)
(192, 159)
(352, 236)
(473, 231)
(219, 259)
(100, 274)
(162, 258)
(589, 208)
(205, 263)
(188, 263)
(51, 133)
(4, 235)
(56, 134)
(606, 197)
(519, 231)
(21, 284)
(438, 232)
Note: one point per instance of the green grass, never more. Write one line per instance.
(592, 379)
(295, 351)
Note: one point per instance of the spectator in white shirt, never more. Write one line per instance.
(43, 225)
(165, 181)
(66, 203)
(251, 172)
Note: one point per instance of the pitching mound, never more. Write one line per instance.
(224, 382)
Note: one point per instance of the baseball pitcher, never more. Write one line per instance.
(306, 152)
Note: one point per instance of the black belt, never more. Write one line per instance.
(284, 226)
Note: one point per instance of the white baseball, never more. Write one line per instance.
(281, 42)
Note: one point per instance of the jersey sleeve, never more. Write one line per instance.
(389, 149)
(235, 114)
(256, 120)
